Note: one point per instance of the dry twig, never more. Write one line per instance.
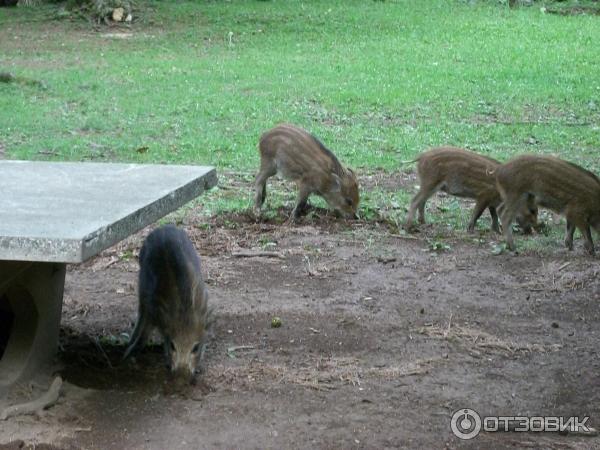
(256, 254)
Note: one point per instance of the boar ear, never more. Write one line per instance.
(352, 174)
(336, 183)
(199, 293)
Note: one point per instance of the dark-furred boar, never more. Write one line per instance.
(173, 300)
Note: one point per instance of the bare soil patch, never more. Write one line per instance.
(381, 341)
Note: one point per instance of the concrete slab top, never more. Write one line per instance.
(68, 212)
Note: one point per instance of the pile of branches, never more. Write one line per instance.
(95, 11)
(102, 11)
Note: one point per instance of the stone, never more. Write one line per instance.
(69, 212)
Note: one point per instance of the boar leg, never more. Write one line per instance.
(569, 235)
(495, 225)
(267, 169)
(480, 206)
(422, 213)
(574, 220)
(139, 335)
(418, 202)
(509, 212)
(587, 235)
(301, 202)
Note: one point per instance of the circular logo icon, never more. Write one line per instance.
(465, 423)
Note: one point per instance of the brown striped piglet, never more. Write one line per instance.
(463, 173)
(559, 185)
(298, 156)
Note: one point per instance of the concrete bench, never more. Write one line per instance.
(52, 214)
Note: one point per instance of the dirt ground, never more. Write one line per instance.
(382, 340)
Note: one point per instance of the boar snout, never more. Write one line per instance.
(343, 194)
(182, 376)
(527, 216)
(184, 358)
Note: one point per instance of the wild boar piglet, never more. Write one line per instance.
(559, 185)
(298, 156)
(173, 300)
(463, 173)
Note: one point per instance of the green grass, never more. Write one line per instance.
(378, 82)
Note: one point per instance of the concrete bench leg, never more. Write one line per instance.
(31, 296)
